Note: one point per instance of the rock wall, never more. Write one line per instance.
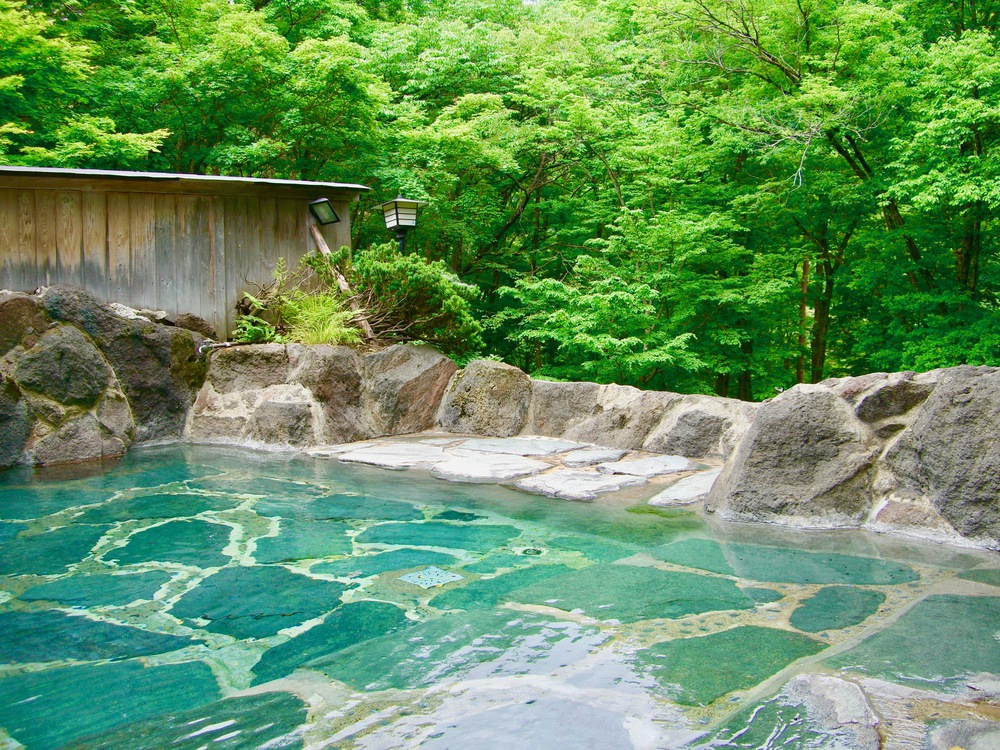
(78, 381)
(899, 452)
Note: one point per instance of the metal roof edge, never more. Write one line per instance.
(172, 177)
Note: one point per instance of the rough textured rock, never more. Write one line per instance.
(285, 415)
(838, 706)
(333, 374)
(77, 440)
(687, 490)
(950, 453)
(65, 367)
(158, 367)
(880, 395)
(402, 388)
(21, 320)
(486, 398)
(15, 423)
(199, 325)
(613, 415)
(242, 368)
(701, 426)
(115, 416)
(806, 460)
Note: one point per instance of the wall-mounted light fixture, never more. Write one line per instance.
(322, 209)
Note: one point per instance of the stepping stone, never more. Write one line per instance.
(51, 708)
(649, 467)
(51, 635)
(267, 720)
(50, 552)
(370, 565)
(569, 484)
(469, 466)
(687, 490)
(473, 537)
(591, 456)
(99, 589)
(345, 627)
(521, 446)
(697, 671)
(257, 602)
(836, 607)
(329, 451)
(396, 457)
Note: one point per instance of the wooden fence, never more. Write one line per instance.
(190, 244)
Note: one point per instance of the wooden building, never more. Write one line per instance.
(173, 242)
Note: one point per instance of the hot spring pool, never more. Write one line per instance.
(199, 597)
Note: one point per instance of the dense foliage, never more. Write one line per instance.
(701, 195)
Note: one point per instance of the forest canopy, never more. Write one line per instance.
(725, 196)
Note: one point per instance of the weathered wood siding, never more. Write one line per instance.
(164, 251)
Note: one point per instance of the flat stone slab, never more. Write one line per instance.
(687, 490)
(471, 466)
(591, 456)
(522, 446)
(329, 451)
(397, 456)
(570, 484)
(649, 467)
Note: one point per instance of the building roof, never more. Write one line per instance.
(167, 182)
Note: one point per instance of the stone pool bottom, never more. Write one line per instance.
(198, 597)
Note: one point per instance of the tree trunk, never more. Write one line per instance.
(800, 364)
(744, 390)
(821, 326)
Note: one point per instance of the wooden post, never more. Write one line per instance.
(344, 286)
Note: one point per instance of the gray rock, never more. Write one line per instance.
(64, 366)
(471, 466)
(396, 456)
(157, 367)
(242, 368)
(217, 417)
(577, 485)
(520, 446)
(22, 321)
(402, 388)
(617, 416)
(193, 322)
(486, 398)
(648, 467)
(806, 460)
(701, 426)
(80, 439)
(15, 423)
(968, 735)
(286, 415)
(591, 456)
(115, 416)
(950, 453)
(333, 374)
(836, 706)
(686, 490)
(881, 395)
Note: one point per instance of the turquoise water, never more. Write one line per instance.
(208, 597)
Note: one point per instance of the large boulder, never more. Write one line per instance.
(22, 320)
(701, 426)
(285, 415)
(807, 460)
(242, 368)
(402, 388)
(613, 415)
(15, 423)
(950, 453)
(486, 398)
(64, 366)
(884, 399)
(333, 375)
(158, 366)
(80, 439)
